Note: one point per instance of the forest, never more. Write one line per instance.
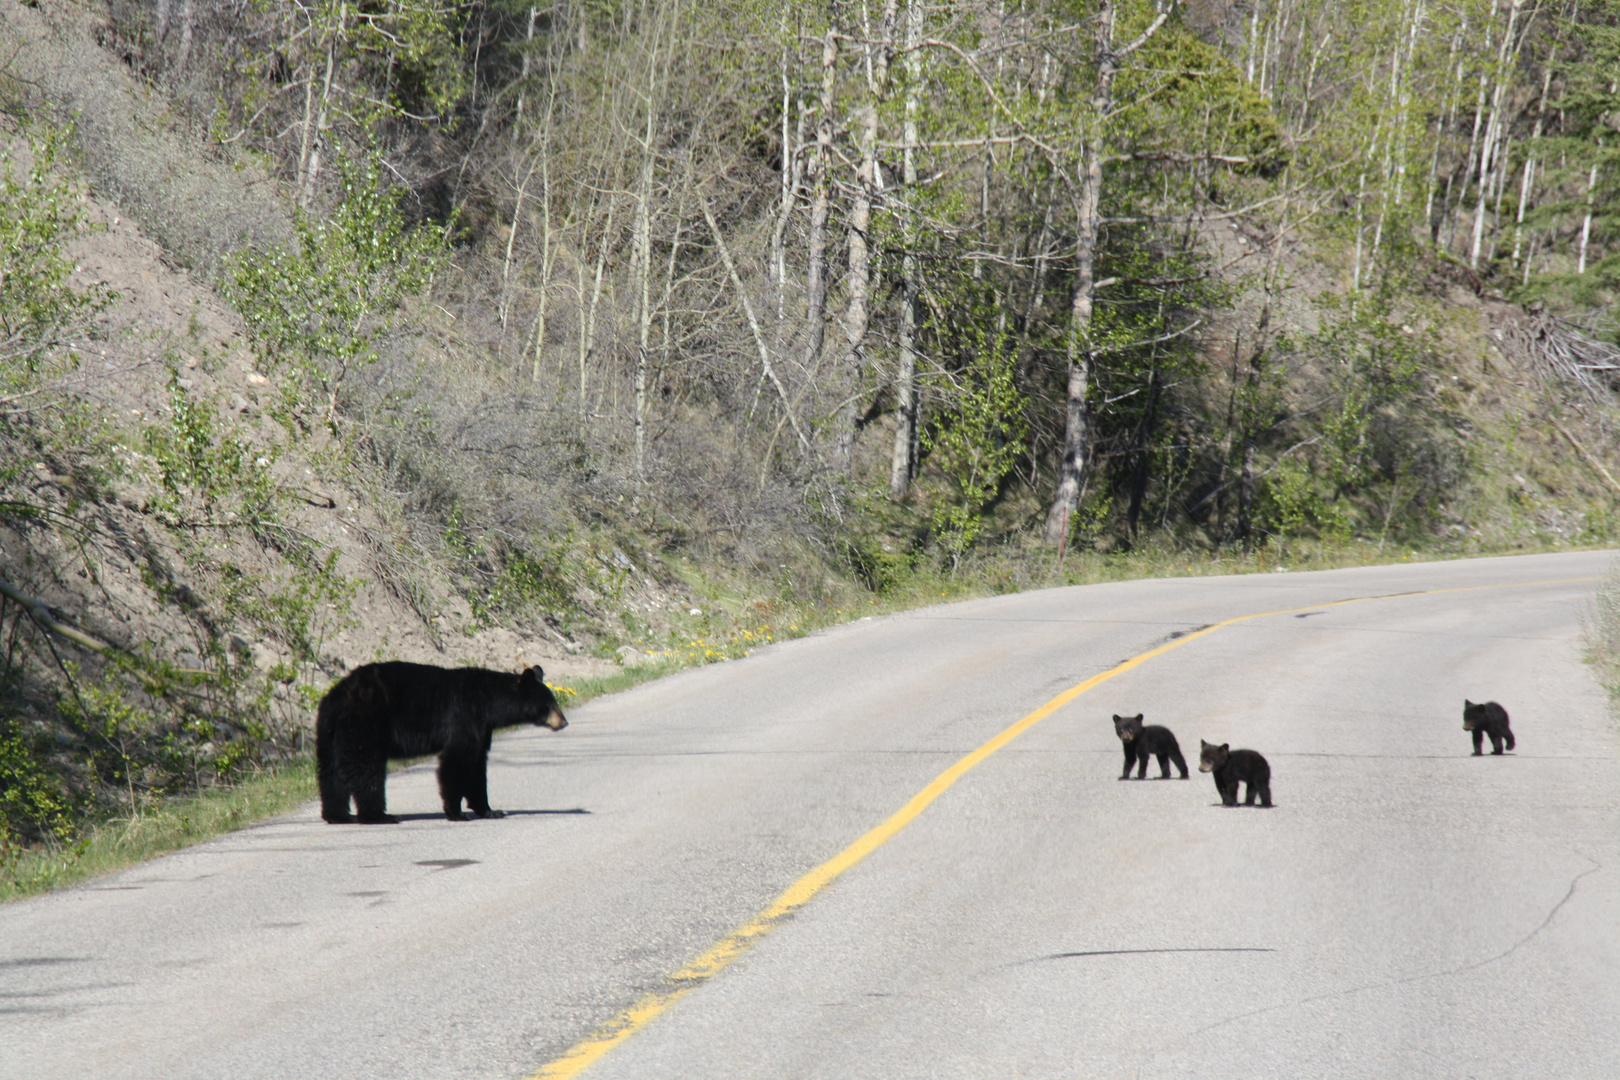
(1084, 268)
(823, 296)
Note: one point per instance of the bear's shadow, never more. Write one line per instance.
(439, 815)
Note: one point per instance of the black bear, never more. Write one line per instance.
(1231, 766)
(1487, 718)
(1142, 743)
(401, 710)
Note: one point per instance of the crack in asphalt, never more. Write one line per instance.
(1509, 951)
(1142, 952)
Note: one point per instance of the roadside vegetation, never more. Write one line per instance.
(659, 332)
(1603, 637)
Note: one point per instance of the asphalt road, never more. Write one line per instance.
(1405, 910)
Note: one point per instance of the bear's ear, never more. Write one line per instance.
(1118, 719)
(1138, 716)
(1204, 745)
(1226, 747)
(1467, 704)
(530, 673)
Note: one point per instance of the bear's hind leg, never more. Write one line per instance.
(1265, 792)
(453, 782)
(1181, 762)
(1496, 743)
(1508, 735)
(334, 797)
(1164, 765)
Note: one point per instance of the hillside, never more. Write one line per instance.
(487, 336)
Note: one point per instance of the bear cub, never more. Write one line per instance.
(402, 710)
(1230, 766)
(1142, 743)
(1487, 718)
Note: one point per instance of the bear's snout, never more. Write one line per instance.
(555, 720)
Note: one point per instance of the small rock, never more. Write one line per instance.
(263, 656)
(238, 403)
(184, 384)
(255, 379)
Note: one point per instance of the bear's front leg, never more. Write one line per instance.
(368, 785)
(334, 797)
(462, 774)
(1479, 742)
(1130, 759)
(478, 788)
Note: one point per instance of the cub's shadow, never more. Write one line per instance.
(439, 815)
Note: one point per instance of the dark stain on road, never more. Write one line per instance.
(43, 961)
(365, 894)
(445, 864)
(1308, 614)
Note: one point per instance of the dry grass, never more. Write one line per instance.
(1602, 632)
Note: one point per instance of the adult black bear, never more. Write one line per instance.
(400, 710)
(1231, 766)
(1487, 718)
(1142, 743)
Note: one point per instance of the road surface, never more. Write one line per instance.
(1406, 909)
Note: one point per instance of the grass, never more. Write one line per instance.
(159, 828)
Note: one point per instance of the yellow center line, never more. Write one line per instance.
(706, 966)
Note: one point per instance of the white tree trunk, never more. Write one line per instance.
(902, 462)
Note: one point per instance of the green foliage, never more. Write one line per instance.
(40, 212)
(508, 579)
(1381, 452)
(977, 438)
(1292, 503)
(34, 802)
(195, 460)
(392, 60)
(1199, 102)
(318, 309)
